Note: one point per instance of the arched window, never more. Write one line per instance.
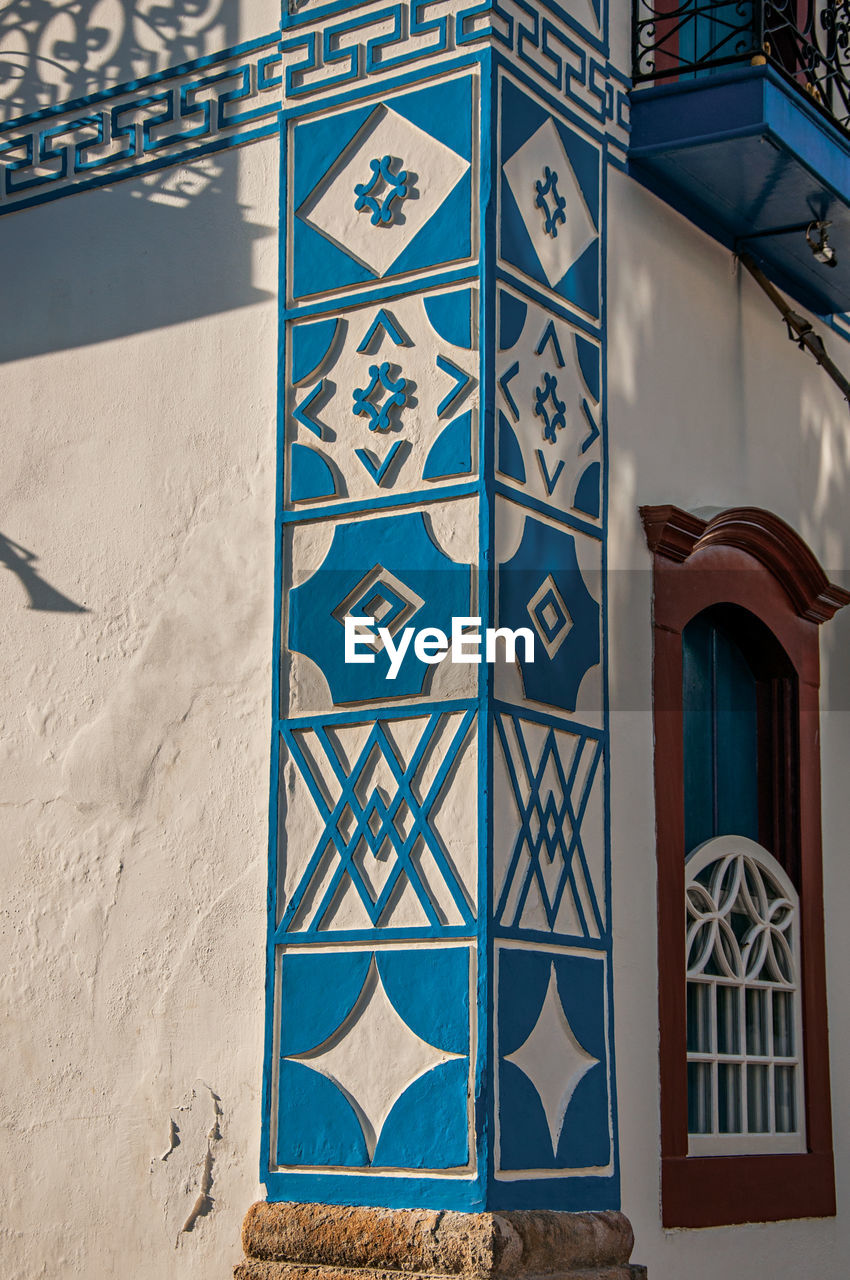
(746, 1129)
(744, 1032)
(743, 1007)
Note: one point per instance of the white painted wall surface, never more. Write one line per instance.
(711, 406)
(137, 394)
(53, 52)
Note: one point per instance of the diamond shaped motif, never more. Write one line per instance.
(544, 152)
(381, 847)
(550, 616)
(433, 170)
(548, 859)
(382, 597)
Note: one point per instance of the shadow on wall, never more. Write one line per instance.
(42, 595)
(726, 414)
(55, 50)
(144, 254)
(152, 251)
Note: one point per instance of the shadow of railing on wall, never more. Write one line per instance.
(52, 53)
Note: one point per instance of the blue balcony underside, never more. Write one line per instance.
(742, 153)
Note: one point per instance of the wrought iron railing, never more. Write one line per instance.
(808, 41)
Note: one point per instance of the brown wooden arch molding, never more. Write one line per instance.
(751, 558)
(677, 534)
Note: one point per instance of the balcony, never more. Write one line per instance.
(741, 120)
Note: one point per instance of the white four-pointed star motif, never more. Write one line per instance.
(373, 1057)
(553, 1060)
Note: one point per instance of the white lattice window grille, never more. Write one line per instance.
(744, 1024)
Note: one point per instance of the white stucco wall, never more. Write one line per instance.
(711, 406)
(137, 385)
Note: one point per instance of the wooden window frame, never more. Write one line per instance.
(751, 558)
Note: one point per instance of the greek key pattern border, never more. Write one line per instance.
(179, 114)
(235, 96)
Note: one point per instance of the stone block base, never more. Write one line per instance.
(340, 1242)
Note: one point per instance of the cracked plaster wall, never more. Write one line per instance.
(134, 736)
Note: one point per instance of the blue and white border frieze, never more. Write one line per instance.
(323, 53)
(164, 119)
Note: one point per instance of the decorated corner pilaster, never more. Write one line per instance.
(440, 1023)
(554, 1103)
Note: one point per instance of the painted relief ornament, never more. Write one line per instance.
(554, 415)
(379, 412)
(381, 208)
(549, 187)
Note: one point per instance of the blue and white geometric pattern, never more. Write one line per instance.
(542, 582)
(549, 413)
(549, 866)
(532, 142)
(344, 1012)
(554, 1108)
(393, 565)
(557, 248)
(382, 399)
(396, 812)
(86, 142)
(385, 856)
(177, 114)
(427, 133)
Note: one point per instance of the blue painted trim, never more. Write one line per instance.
(381, 503)
(606, 677)
(461, 382)
(556, 513)
(515, 933)
(559, 306)
(135, 171)
(367, 714)
(375, 936)
(488, 348)
(563, 1190)
(382, 321)
(419, 809)
(524, 842)
(377, 470)
(266, 1101)
(296, 107)
(566, 110)
(617, 163)
(392, 1191)
(616, 74)
(561, 720)
(307, 97)
(399, 286)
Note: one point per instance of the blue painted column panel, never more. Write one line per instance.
(439, 982)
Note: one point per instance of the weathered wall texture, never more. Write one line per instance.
(711, 406)
(137, 387)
